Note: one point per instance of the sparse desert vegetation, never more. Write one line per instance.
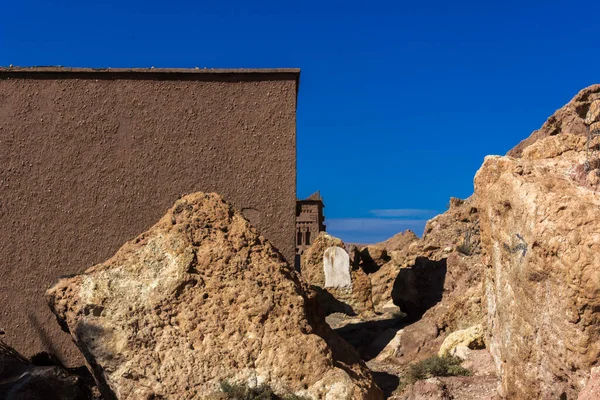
(233, 391)
(435, 366)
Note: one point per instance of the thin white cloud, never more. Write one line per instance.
(371, 230)
(402, 212)
(371, 224)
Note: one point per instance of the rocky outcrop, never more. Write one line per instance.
(354, 299)
(540, 224)
(198, 299)
(534, 267)
(574, 118)
(399, 241)
(443, 269)
(437, 281)
(373, 257)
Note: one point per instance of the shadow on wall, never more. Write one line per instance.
(420, 287)
(43, 335)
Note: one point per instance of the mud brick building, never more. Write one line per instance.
(309, 222)
(91, 158)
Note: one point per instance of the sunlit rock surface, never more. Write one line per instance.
(198, 299)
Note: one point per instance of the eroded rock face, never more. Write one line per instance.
(198, 299)
(573, 118)
(591, 391)
(540, 224)
(334, 294)
(437, 280)
(442, 270)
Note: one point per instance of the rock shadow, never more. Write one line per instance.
(329, 304)
(42, 376)
(420, 287)
(43, 334)
(86, 329)
(369, 338)
(386, 382)
(368, 262)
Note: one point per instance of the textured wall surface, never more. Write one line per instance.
(90, 159)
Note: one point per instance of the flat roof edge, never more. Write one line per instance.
(175, 71)
(158, 74)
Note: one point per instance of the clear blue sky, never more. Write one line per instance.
(399, 101)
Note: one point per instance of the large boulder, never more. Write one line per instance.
(311, 263)
(353, 299)
(199, 299)
(540, 226)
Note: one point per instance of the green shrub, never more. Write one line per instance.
(235, 391)
(467, 247)
(430, 367)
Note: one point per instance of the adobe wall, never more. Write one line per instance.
(90, 159)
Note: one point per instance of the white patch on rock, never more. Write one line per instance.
(336, 266)
(461, 351)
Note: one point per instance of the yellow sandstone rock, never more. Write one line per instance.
(471, 337)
